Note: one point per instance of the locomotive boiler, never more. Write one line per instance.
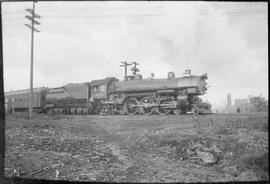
(162, 96)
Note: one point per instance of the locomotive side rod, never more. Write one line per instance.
(154, 105)
(110, 104)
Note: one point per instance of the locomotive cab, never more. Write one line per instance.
(100, 88)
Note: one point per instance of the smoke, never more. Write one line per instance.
(203, 39)
(170, 36)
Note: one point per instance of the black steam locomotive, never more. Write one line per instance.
(133, 95)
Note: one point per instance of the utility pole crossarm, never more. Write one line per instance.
(33, 13)
(36, 30)
(31, 19)
(125, 64)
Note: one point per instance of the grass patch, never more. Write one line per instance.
(223, 130)
(250, 123)
(258, 163)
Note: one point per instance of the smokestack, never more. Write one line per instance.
(229, 99)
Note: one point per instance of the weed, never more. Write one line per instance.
(256, 162)
(223, 130)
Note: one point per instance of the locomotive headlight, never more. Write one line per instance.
(204, 76)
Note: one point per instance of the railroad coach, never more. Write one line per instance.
(19, 100)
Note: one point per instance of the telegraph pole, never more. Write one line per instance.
(125, 64)
(33, 29)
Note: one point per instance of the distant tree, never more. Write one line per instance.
(260, 105)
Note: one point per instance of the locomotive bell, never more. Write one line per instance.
(187, 72)
(171, 75)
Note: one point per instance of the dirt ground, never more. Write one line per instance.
(183, 148)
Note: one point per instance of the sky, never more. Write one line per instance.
(85, 41)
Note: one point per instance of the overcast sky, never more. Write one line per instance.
(84, 41)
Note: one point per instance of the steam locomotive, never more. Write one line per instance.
(133, 95)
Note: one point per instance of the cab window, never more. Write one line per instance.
(95, 89)
(99, 89)
(102, 88)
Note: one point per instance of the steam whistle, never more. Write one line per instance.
(187, 72)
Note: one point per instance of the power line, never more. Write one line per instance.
(236, 12)
(212, 20)
(105, 15)
(240, 11)
(142, 16)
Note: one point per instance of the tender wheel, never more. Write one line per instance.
(195, 110)
(163, 109)
(72, 111)
(85, 111)
(109, 110)
(176, 111)
(104, 110)
(60, 111)
(147, 109)
(130, 107)
(90, 109)
(49, 111)
(55, 110)
(67, 110)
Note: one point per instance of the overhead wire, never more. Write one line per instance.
(234, 10)
(257, 14)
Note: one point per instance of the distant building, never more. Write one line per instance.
(229, 99)
(242, 104)
(229, 107)
(251, 104)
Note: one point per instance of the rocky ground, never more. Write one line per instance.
(184, 148)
